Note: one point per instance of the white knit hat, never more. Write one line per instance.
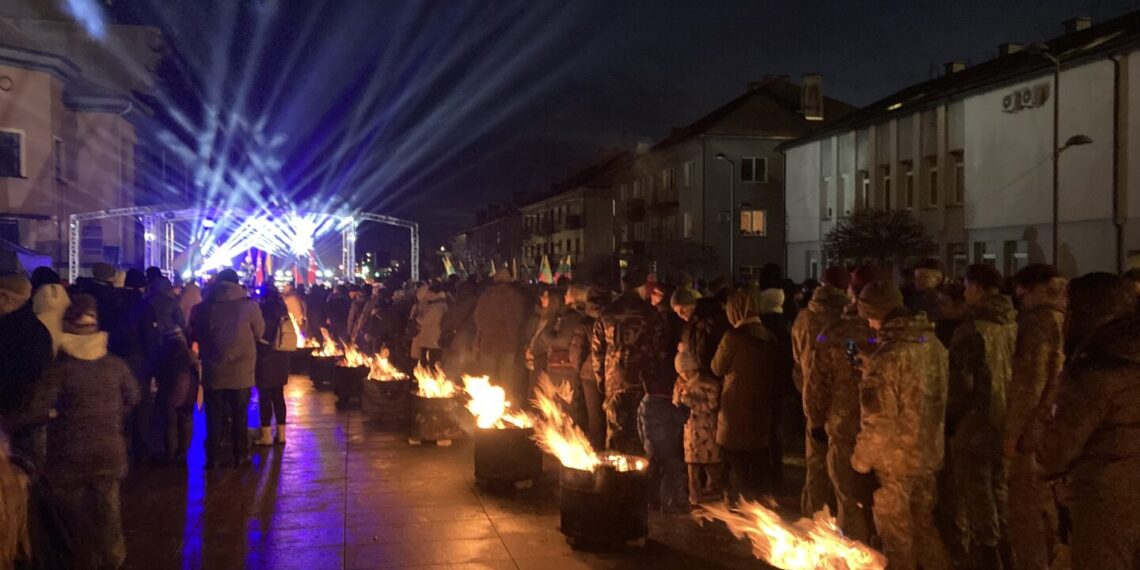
(772, 301)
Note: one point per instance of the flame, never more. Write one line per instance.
(489, 405)
(433, 383)
(302, 342)
(354, 358)
(329, 347)
(556, 434)
(382, 369)
(810, 544)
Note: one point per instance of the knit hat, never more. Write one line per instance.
(684, 297)
(863, 276)
(228, 276)
(879, 299)
(44, 276)
(82, 317)
(771, 301)
(135, 279)
(104, 272)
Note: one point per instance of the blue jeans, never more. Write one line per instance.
(662, 429)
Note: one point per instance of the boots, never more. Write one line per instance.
(280, 435)
(264, 437)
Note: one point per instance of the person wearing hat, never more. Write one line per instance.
(25, 352)
(901, 437)
(136, 339)
(226, 327)
(91, 391)
(101, 287)
(500, 314)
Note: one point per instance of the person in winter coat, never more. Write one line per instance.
(168, 314)
(981, 364)
(91, 391)
(177, 379)
(135, 339)
(226, 327)
(550, 306)
(748, 358)
(929, 275)
(43, 276)
(191, 296)
(101, 286)
(626, 347)
(588, 303)
(952, 311)
(902, 427)
(457, 336)
(1090, 446)
(272, 372)
(25, 352)
(660, 421)
(698, 391)
(1037, 362)
(428, 314)
(48, 303)
(831, 403)
(825, 308)
(295, 303)
(499, 317)
(772, 303)
(337, 307)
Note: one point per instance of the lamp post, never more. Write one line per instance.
(731, 215)
(1075, 140)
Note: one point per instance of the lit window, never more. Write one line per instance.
(753, 169)
(11, 154)
(753, 223)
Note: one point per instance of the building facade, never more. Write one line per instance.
(971, 155)
(709, 198)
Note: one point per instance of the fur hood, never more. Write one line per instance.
(84, 346)
(771, 301)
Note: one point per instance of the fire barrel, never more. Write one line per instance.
(506, 455)
(604, 506)
(388, 401)
(300, 361)
(348, 383)
(436, 419)
(322, 369)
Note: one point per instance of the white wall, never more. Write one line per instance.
(803, 197)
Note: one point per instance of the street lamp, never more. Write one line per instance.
(731, 214)
(1042, 50)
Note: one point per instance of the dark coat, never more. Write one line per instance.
(628, 348)
(167, 310)
(226, 326)
(500, 315)
(272, 365)
(747, 358)
(134, 337)
(25, 352)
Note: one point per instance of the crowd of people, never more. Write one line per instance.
(981, 423)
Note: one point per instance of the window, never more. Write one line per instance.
(864, 190)
(1016, 256)
(910, 192)
(57, 155)
(639, 231)
(959, 178)
(625, 232)
(958, 260)
(11, 154)
(577, 245)
(753, 223)
(623, 194)
(689, 172)
(687, 225)
(825, 188)
(932, 182)
(669, 227)
(637, 189)
(848, 194)
(669, 178)
(886, 188)
(753, 169)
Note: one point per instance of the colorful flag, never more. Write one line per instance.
(259, 272)
(544, 273)
(312, 269)
(448, 268)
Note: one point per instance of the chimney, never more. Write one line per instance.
(811, 96)
(1008, 48)
(1077, 24)
(953, 67)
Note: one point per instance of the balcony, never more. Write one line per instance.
(664, 200)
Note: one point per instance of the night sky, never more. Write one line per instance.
(430, 110)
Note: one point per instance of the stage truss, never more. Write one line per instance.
(158, 232)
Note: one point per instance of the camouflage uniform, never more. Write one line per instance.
(1037, 364)
(901, 437)
(831, 400)
(981, 364)
(826, 307)
(626, 346)
(1091, 445)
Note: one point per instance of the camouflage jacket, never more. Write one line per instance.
(826, 307)
(981, 365)
(903, 400)
(1037, 360)
(831, 394)
(627, 345)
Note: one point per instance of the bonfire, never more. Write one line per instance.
(810, 544)
(433, 383)
(354, 357)
(556, 434)
(382, 370)
(490, 406)
(329, 347)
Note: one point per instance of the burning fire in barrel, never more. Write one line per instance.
(436, 406)
(387, 393)
(504, 449)
(350, 372)
(322, 369)
(810, 544)
(302, 359)
(604, 497)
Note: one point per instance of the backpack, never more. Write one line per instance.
(286, 335)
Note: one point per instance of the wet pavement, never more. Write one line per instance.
(344, 493)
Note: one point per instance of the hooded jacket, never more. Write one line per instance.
(748, 359)
(1038, 358)
(628, 345)
(91, 390)
(981, 366)
(831, 395)
(1092, 440)
(226, 326)
(429, 311)
(167, 310)
(903, 400)
(49, 303)
(826, 307)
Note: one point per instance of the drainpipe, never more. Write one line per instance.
(1119, 196)
(704, 193)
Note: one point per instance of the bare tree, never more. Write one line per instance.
(886, 237)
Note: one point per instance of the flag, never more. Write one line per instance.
(259, 272)
(448, 268)
(493, 270)
(566, 269)
(312, 269)
(544, 274)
